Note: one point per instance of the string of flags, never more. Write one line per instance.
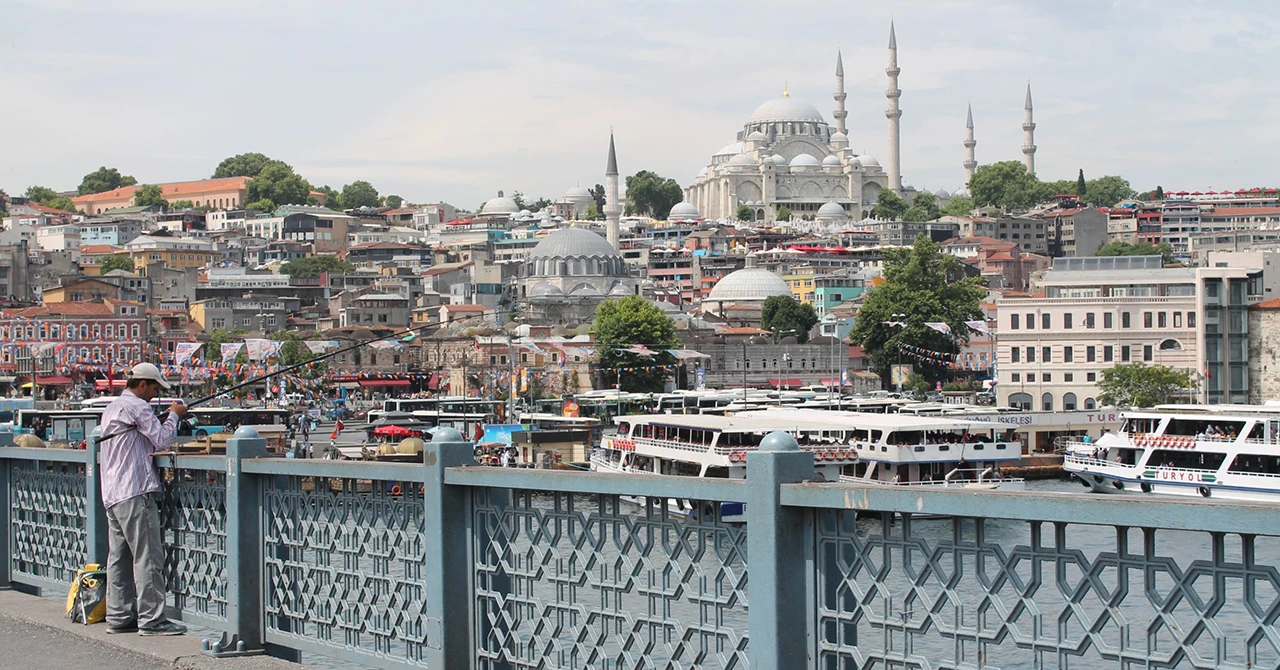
(964, 361)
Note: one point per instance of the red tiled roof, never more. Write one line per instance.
(744, 331)
(98, 249)
(1273, 303)
(172, 189)
(106, 307)
(44, 209)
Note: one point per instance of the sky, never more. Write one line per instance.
(454, 101)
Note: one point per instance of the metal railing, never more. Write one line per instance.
(445, 564)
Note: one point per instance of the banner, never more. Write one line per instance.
(183, 351)
(702, 380)
(259, 349)
(319, 347)
(939, 326)
(978, 327)
(230, 350)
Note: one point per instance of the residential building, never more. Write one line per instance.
(834, 289)
(187, 222)
(1027, 233)
(1264, 351)
(376, 310)
(1179, 222)
(91, 332)
(65, 237)
(110, 231)
(32, 213)
(1003, 264)
(427, 216)
(262, 315)
(175, 252)
(15, 264)
(373, 253)
(116, 285)
(904, 233)
(215, 193)
(309, 224)
(1077, 231)
(972, 226)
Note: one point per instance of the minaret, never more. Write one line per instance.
(894, 163)
(1029, 136)
(612, 208)
(970, 164)
(840, 96)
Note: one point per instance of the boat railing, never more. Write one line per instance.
(953, 478)
(1076, 459)
(607, 465)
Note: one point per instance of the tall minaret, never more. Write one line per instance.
(840, 96)
(970, 163)
(612, 208)
(1029, 136)
(894, 163)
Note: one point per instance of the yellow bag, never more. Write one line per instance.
(87, 600)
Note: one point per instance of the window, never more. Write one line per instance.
(1191, 319)
(1090, 403)
(1090, 354)
(1069, 402)
(1068, 376)
(1031, 322)
(1162, 319)
(1108, 354)
(1089, 321)
(1147, 353)
(1108, 321)
(218, 323)
(1066, 321)
(1046, 355)
(1068, 354)
(1044, 321)
(1146, 320)
(1031, 376)
(1124, 354)
(1125, 320)
(1013, 321)
(1046, 377)
(1046, 402)
(1016, 377)
(1091, 377)
(1016, 354)
(246, 322)
(1031, 354)
(1177, 319)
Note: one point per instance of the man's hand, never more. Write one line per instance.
(178, 409)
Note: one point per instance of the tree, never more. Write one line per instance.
(653, 194)
(332, 198)
(1081, 186)
(314, 266)
(1142, 249)
(1107, 191)
(50, 198)
(1142, 385)
(783, 316)
(360, 194)
(262, 205)
(116, 262)
(745, 213)
(626, 322)
(597, 194)
(889, 206)
(245, 165)
(959, 205)
(278, 183)
(104, 179)
(592, 213)
(925, 285)
(394, 201)
(518, 198)
(1159, 192)
(539, 204)
(784, 213)
(149, 195)
(292, 350)
(213, 347)
(1005, 184)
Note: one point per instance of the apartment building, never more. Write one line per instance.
(1180, 221)
(1078, 231)
(1029, 234)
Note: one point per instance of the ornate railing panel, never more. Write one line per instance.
(344, 567)
(591, 581)
(194, 518)
(47, 511)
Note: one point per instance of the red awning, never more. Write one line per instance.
(53, 381)
(782, 381)
(384, 382)
(103, 384)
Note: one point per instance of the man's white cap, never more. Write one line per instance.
(148, 371)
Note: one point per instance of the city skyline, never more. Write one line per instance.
(523, 99)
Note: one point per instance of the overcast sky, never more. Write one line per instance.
(453, 101)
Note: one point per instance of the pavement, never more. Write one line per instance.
(38, 636)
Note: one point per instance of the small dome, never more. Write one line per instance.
(665, 306)
(832, 210)
(868, 161)
(743, 159)
(683, 211)
(839, 138)
(778, 159)
(757, 136)
(525, 212)
(942, 193)
(586, 291)
(619, 290)
(578, 194)
(731, 149)
(787, 108)
(804, 160)
(573, 242)
(500, 205)
(545, 289)
(961, 192)
(702, 172)
(831, 161)
(749, 284)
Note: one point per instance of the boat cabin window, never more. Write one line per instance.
(1189, 460)
(718, 471)
(1257, 432)
(1205, 427)
(1256, 464)
(1137, 426)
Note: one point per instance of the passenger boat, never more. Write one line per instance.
(1230, 452)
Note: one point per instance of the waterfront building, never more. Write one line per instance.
(215, 193)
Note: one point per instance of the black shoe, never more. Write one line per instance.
(126, 628)
(163, 628)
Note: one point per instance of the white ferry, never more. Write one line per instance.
(1220, 451)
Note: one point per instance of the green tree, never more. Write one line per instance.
(959, 205)
(360, 194)
(149, 195)
(889, 206)
(630, 321)
(1159, 192)
(597, 194)
(116, 262)
(262, 205)
(50, 198)
(1005, 184)
(518, 198)
(784, 316)
(1081, 186)
(292, 349)
(1107, 191)
(926, 286)
(784, 213)
(313, 266)
(745, 213)
(244, 165)
(104, 179)
(1142, 249)
(213, 347)
(592, 213)
(394, 201)
(332, 198)
(1142, 385)
(278, 183)
(652, 194)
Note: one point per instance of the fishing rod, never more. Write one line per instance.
(406, 335)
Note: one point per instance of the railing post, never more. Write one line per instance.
(95, 515)
(244, 544)
(6, 524)
(776, 556)
(445, 540)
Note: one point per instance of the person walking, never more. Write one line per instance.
(131, 494)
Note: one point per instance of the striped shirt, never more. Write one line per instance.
(127, 470)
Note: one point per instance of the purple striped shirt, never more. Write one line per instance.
(127, 470)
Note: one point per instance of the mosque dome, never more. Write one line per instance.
(867, 161)
(578, 194)
(684, 210)
(574, 242)
(839, 138)
(702, 172)
(757, 136)
(831, 210)
(787, 108)
(778, 160)
(804, 160)
(942, 193)
(585, 291)
(525, 213)
(743, 159)
(731, 149)
(831, 161)
(500, 205)
(619, 290)
(749, 284)
(961, 192)
(545, 289)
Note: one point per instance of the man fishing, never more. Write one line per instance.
(131, 493)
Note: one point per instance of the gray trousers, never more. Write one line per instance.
(135, 563)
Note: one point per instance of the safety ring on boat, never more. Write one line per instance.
(395, 490)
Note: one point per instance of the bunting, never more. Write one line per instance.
(965, 361)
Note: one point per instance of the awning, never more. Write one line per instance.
(7, 379)
(686, 354)
(104, 384)
(53, 381)
(384, 382)
(788, 381)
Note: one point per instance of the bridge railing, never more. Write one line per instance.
(445, 564)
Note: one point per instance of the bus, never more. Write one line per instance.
(58, 426)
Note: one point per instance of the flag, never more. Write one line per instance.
(939, 326)
(978, 327)
(479, 433)
(337, 428)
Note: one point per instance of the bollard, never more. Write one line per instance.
(95, 514)
(445, 538)
(244, 548)
(779, 542)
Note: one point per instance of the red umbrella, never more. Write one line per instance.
(1182, 193)
(1196, 193)
(393, 431)
(1241, 192)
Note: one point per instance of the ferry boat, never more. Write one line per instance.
(1230, 452)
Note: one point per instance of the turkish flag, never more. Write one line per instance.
(337, 428)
